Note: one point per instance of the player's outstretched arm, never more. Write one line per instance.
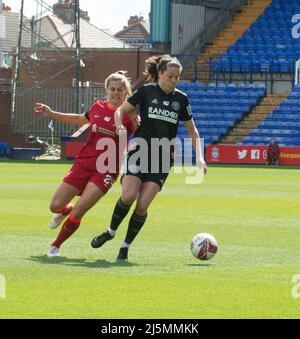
(68, 118)
(126, 109)
(196, 141)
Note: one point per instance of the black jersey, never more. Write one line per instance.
(160, 112)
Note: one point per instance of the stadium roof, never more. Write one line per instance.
(90, 35)
(11, 32)
(53, 32)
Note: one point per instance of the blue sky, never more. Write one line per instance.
(108, 14)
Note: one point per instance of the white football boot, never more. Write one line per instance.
(53, 252)
(56, 220)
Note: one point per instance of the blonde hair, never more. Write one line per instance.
(159, 63)
(119, 76)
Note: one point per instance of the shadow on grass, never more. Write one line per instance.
(199, 265)
(80, 262)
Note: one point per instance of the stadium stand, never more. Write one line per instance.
(217, 108)
(283, 124)
(231, 113)
(241, 21)
(258, 114)
(267, 45)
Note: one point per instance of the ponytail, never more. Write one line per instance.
(159, 63)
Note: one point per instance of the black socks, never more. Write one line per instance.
(120, 212)
(135, 224)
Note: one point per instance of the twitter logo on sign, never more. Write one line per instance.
(242, 154)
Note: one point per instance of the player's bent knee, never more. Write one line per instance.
(55, 207)
(128, 199)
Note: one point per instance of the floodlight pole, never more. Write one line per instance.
(17, 65)
(78, 55)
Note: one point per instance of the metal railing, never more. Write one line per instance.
(213, 27)
(269, 73)
(59, 99)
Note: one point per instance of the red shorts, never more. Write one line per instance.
(79, 175)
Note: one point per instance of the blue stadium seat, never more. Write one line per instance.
(182, 86)
(192, 86)
(201, 86)
(267, 46)
(220, 106)
(283, 123)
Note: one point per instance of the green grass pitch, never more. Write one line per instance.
(253, 212)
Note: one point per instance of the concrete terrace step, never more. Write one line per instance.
(234, 30)
(257, 115)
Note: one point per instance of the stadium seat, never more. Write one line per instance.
(283, 124)
(218, 106)
(268, 42)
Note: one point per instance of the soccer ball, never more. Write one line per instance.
(204, 246)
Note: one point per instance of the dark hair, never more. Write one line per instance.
(119, 76)
(159, 63)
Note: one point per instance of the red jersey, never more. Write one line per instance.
(102, 125)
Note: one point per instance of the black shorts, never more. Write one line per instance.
(158, 178)
(158, 175)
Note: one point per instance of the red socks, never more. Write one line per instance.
(66, 210)
(67, 229)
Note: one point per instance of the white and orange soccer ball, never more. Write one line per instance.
(204, 246)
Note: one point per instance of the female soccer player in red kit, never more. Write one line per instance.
(84, 178)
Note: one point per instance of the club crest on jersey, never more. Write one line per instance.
(107, 119)
(176, 105)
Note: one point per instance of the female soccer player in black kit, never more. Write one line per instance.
(161, 106)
